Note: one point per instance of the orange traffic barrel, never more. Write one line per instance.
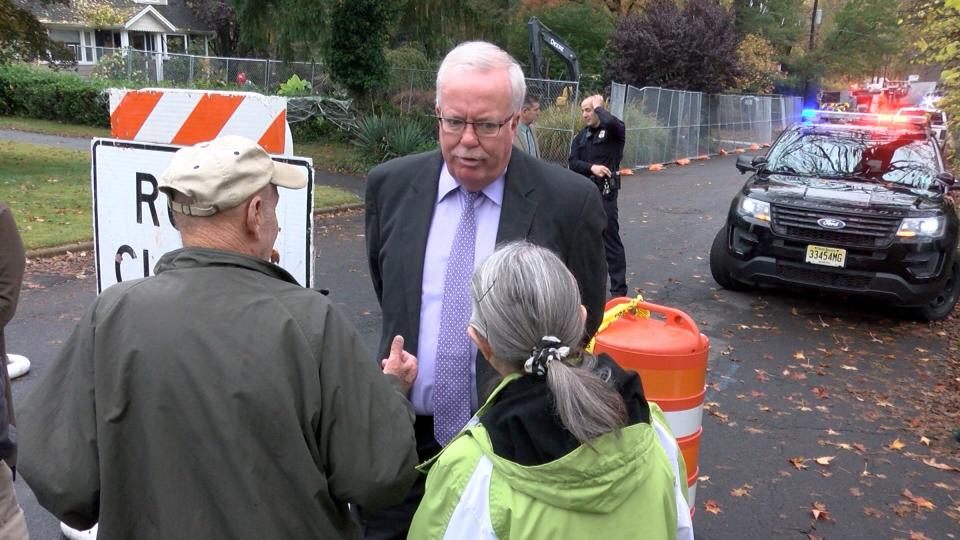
(670, 354)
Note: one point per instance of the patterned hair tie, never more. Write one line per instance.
(549, 349)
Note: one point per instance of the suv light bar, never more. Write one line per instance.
(814, 115)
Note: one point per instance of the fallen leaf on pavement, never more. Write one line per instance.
(896, 444)
(825, 460)
(832, 432)
(924, 441)
(941, 485)
(872, 512)
(798, 462)
(848, 368)
(922, 504)
(799, 356)
(915, 535)
(712, 507)
(942, 466)
(819, 511)
(856, 492)
(742, 491)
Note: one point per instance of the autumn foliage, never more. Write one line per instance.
(689, 47)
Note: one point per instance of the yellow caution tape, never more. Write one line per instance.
(615, 313)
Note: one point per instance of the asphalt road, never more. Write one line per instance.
(792, 376)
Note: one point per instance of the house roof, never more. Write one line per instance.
(76, 12)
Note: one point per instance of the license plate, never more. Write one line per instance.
(826, 256)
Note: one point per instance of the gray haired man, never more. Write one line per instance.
(219, 399)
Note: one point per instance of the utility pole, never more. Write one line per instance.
(806, 83)
(813, 23)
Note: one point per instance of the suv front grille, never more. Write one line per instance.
(823, 277)
(860, 231)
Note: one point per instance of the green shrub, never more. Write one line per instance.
(555, 129)
(408, 57)
(295, 86)
(48, 95)
(382, 137)
(316, 129)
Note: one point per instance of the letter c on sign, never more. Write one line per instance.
(124, 250)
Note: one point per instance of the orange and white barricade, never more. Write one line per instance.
(187, 117)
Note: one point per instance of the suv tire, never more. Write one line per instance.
(943, 303)
(719, 267)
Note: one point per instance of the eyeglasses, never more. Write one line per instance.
(456, 126)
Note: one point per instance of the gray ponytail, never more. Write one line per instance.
(523, 293)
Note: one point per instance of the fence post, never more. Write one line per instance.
(190, 72)
(313, 68)
(227, 76)
(266, 78)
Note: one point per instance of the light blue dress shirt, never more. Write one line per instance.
(446, 215)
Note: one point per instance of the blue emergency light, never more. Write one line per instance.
(809, 113)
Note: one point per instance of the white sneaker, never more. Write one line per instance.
(73, 534)
(17, 365)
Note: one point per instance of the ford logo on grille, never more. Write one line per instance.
(830, 223)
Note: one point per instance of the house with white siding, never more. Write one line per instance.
(94, 29)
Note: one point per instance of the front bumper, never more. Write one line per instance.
(908, 274)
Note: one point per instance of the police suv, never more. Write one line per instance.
(850, 203)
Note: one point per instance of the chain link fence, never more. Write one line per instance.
(666, 125)
(252, 74)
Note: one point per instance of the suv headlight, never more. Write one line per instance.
(924, 227)
(756, 209)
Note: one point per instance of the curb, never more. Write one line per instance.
(88, 245)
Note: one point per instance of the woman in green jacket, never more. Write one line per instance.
(566, 446)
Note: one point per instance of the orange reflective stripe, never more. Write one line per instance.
(273, 138)
(132, 112)
(207, 119)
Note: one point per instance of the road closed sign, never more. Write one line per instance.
(132, 223)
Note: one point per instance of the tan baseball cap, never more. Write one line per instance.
(220, 174)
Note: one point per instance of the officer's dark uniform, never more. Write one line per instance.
(603, 145)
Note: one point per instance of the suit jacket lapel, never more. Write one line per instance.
(519, 207)
(418, 207)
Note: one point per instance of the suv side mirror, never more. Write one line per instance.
(946, 178)
(745, 163)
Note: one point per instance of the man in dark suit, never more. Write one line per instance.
(432, 217)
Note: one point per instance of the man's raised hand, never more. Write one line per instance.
(400, 363)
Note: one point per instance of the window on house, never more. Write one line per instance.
(142, 41)
(176, 43)
(87, 46)
(70, 38)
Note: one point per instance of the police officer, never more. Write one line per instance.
(596, 153)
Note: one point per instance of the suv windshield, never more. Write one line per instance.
(901, 157)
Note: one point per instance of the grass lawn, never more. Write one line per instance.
(338, 157)
(48, 190)
(48, 127)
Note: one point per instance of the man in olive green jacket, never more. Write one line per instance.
(12, 263)
(219, 399)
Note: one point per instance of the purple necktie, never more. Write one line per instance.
(451, 393)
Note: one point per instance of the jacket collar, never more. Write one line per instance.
(194, 257)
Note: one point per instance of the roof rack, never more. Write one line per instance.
(837, 117)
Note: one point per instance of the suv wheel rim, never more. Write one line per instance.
(949, 291)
